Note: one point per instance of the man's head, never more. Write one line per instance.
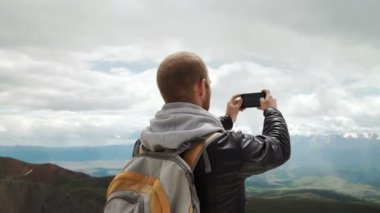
(183, 77)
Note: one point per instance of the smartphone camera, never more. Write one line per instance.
(252, 99)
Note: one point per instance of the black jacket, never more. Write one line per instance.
(234, 156)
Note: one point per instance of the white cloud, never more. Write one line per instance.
(83, 72)
(313, 101)
(37, 84)
(55, 128)
(3, 129)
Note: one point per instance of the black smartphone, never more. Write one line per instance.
(252, 99)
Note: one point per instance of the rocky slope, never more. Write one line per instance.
(44, 188)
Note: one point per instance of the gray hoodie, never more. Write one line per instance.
(177, 123)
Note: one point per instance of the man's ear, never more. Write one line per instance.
(200, 91)
(202, 84)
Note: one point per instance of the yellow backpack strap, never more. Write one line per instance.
(192, 155)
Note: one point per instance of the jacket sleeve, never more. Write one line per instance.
(269, 150)
(226, 122)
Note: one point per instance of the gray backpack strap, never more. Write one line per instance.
(192, 155)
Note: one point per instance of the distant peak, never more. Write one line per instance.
(46, 173)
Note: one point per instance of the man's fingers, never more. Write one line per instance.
(261, 102)
(234, 97)
(267, 93)
(238, 101)
(268, 101)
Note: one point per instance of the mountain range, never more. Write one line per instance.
(48, 188)
(324, 174)
(44, 188)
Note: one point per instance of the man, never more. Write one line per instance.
(183, 81)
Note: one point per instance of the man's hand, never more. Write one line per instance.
(234, 106)
(268, 102)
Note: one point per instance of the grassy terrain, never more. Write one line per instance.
(290, 193)
(288, 205)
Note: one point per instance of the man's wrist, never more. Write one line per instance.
(269, 110)
(226, 121)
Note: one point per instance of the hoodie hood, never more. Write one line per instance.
(177, 123)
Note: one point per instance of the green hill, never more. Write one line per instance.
(295, 205)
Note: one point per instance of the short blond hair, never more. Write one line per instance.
(177, 75)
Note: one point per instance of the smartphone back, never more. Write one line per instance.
(252, 99)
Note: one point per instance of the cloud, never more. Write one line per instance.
(313, 102)
(52, 128)
(3, 129)
(38, 84)
(219, 29)
(83, 72)
(343, 21)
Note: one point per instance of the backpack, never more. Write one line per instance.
(159, 182)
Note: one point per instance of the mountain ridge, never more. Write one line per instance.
(67, 191)
(36, 188)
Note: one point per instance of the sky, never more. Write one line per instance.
(83, 72)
